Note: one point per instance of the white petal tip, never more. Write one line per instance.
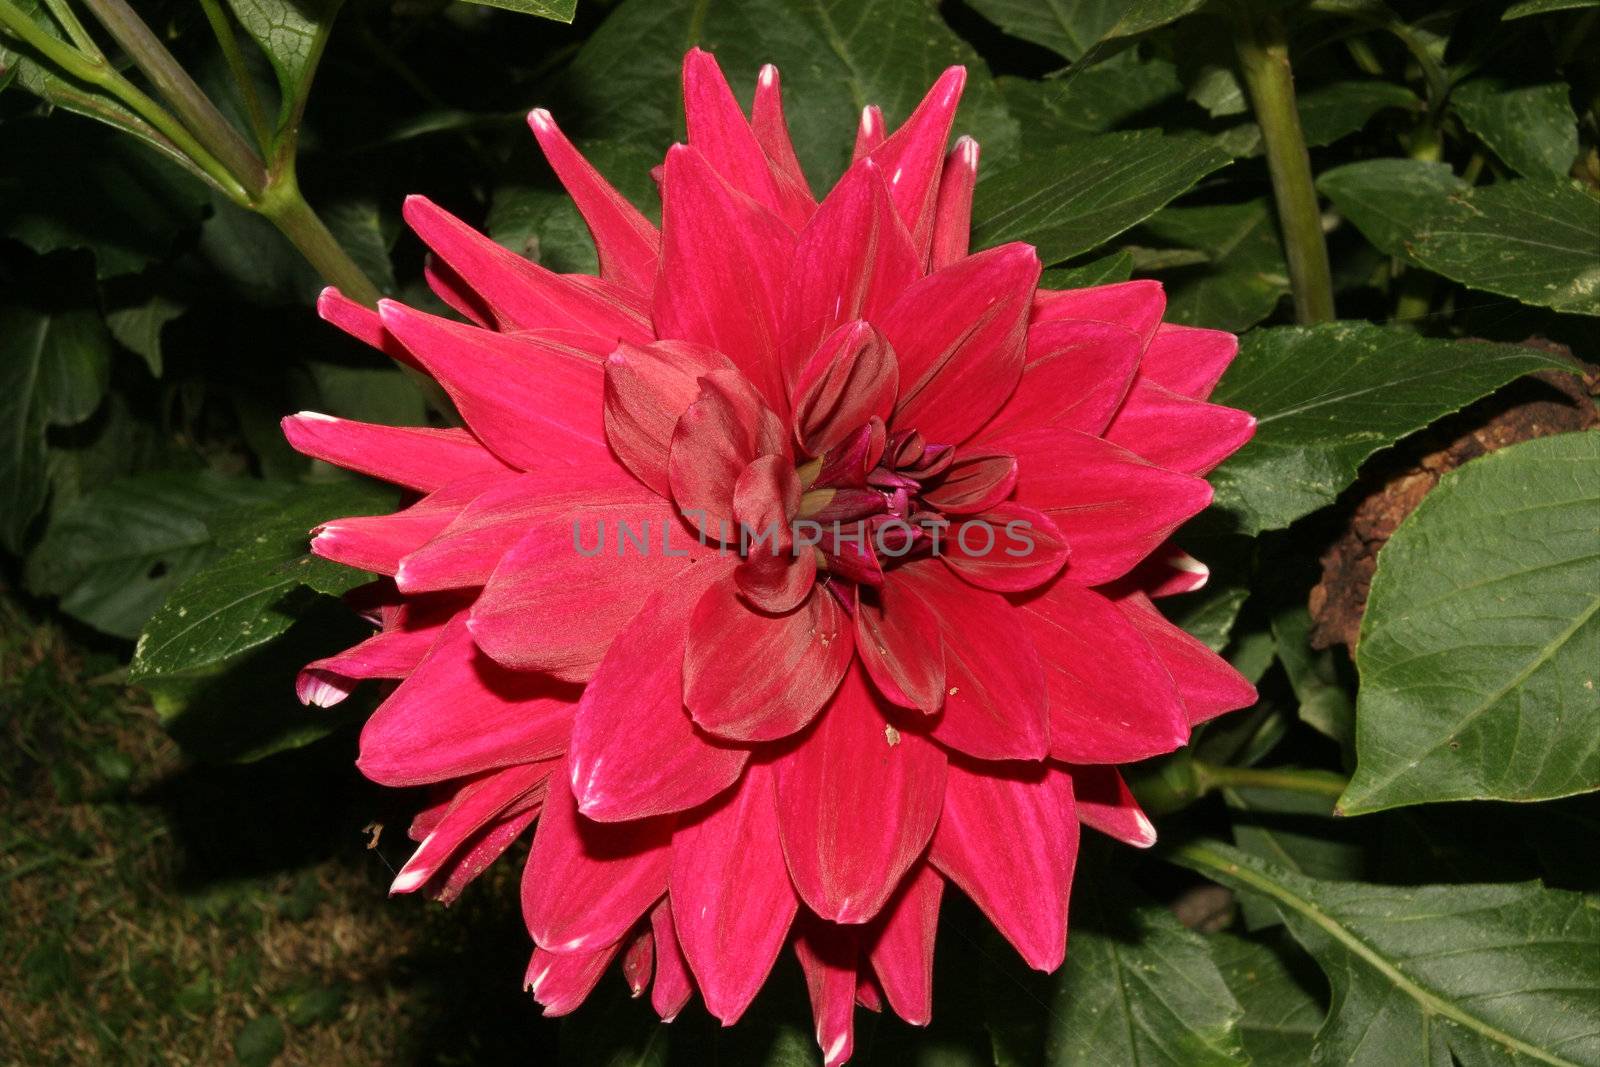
(313, 416)
(769, 74)
(834, 1052)
(408, 879)
(541, 120)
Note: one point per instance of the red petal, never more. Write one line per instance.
(634, 752)
(628, 244)
(587, 882)
(952, 219)
(647, 388)
(829, 956)
(1111, 700)
(1009, 548)
(731, 895)
(1076, 376)
(475, 856)
(1178, 433)
(717, 128)
(474, 806)
(959, 336)
(412, 456)
(851, 378)
(751, 676)
(724, 265)
(1208, 684)
(532, 402)
(378, 542)
(1188, 360)
(715, 439)
(974, 482)
(524, 295)
(389, 654)
(901, 950)
(454, 292)
(1009, 838)
(638, 960)
(772, 130)
(1112, 506)
(673, 986)
(899, 640)
(857, 803)
(994, 704)
(1105, 803)
(1135, 305)
(562, 981)
(870, 132)
(1167, 571)
(362, 323)
(459, 713)
(914, 154)
(774, 577)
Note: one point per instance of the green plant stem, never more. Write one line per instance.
(181, 93)
(228, 41)
(1262, 46)
(100, 74)
(1212, 776)
(287, 209)
(74, 29)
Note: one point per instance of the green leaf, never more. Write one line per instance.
(369, 394)
(1281, 1014)
(559, 10)
(1325, 704)
(114, 555)
(1531, 127)
(53, 372)
(1389, 199)
(1072, 27)
(835, 57)
(1536, 240)
(1117, 267)
(1524, 8)
(292, 33)
(1244, 276)
(1327, 397)
(1095, 101)
(359, 229)
(260, 584)
(137, 327)
(1480, 649)
(1082, 193)
(1493, 974)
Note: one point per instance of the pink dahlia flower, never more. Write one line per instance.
(921, 670)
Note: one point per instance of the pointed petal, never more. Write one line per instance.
(477, 853)
(456, 294)
(638, 960)
(753, 676)
(731, 896)
(475, 805)
(975, 482)
(588, 882)
(851, 378)
(959, 335)
(533, 403)
(362, 323)
(718, 130)
(1009, 838)
(952, 217)
(627, 243)
(767, 122)
(1208, 683)
(635, 752)
(1105, 803)
(857, 803)
(829, 955)
(1111, 699)
(726, 428)
(901, 948)
(914, 154)
(1076, 376)
(1173, 431)
(1113, 507)
(377, 543)
(1167, 571)
(563, 592)
(870, 132)
(900, 644)
(413, 456)
(673, 986)
(389, 654)
(524, 295)
(724, 264)
(1135, 305)
(1010, 548)
(560, 982)
(994, 703)
(459, 713)
(1188, 360)
(647, 388)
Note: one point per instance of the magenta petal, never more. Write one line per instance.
(379, 542)
(587, 883)
(647, 388)
(753, 676)
(913, 156)
(673, 986)
(635, 752)
(900, 644)
(829, 955)
(627, 243)
(724, 265)
(1009, 839)
(901, 949)
(870, 133)
(959, 335)
(459, 713)
(1111, 699)
(1167, 571)
(478, 852)
(524, 295)
(717, 128)
(994, 705)
(1105, 803)
(857, 803)
(767, 122)
(1208, 684)
(952, 220)
(1188, 360)
(475, 805)
(974, 482)
(638, 960)
(849, 380)
(726, 428)
(412, 456)
(1138, 306)
(1112, 506)
(1076, 376)
(1173, 431)
(774, 577)
(362, 323)
(562, 981)
(1010, 548)
(389, 654)
(732, 900)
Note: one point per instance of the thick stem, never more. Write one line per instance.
(1263, 50)
(173, 83)
(284, 205)
(1323, 783)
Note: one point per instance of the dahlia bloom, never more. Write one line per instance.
(733, 747)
